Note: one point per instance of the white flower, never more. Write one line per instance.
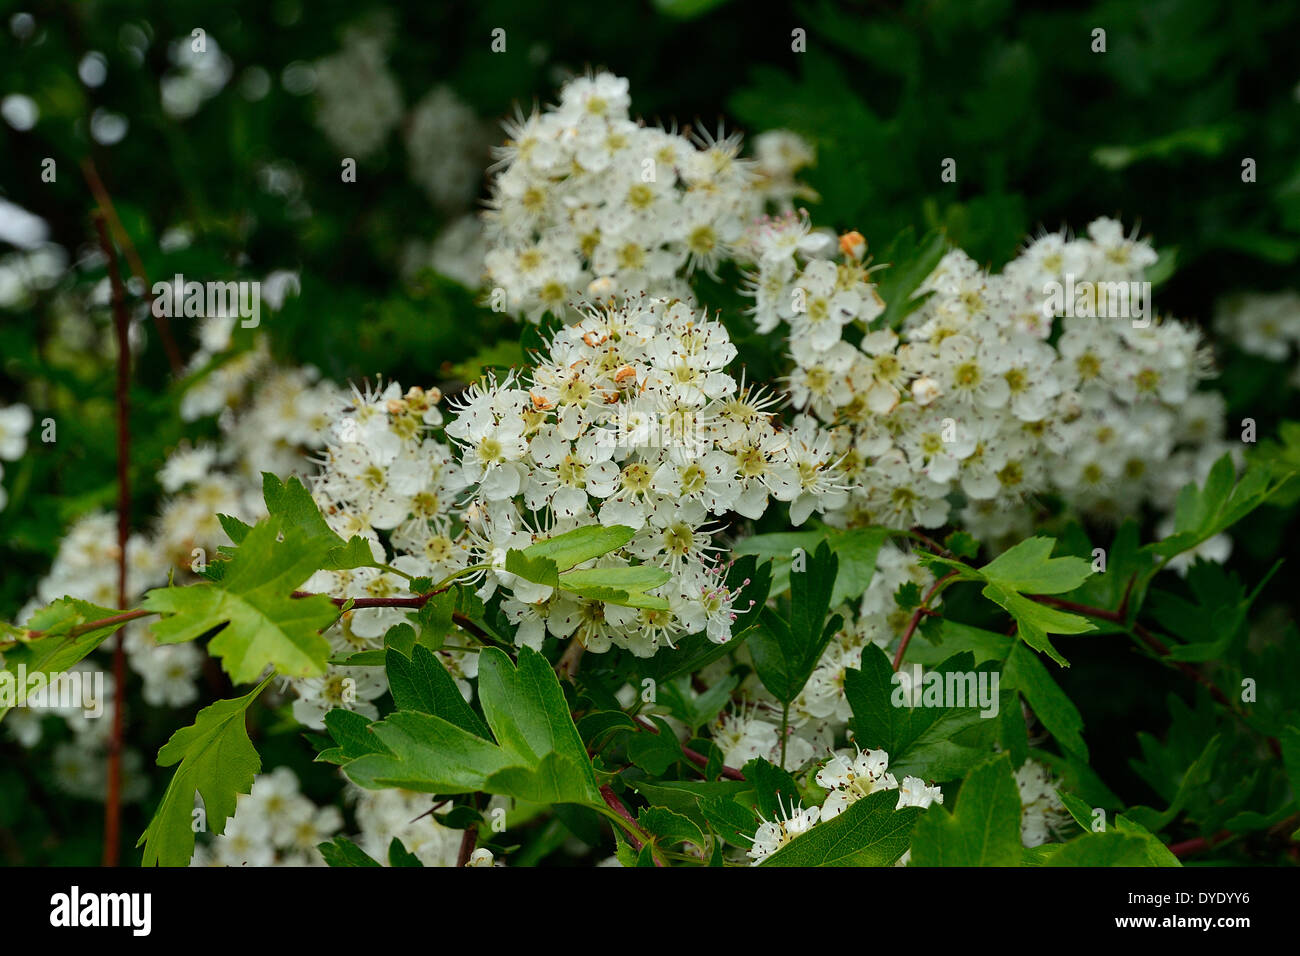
(15, 423)
(771, 835)
(1043, 814)
(850, 779)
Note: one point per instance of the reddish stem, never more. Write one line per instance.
(121, 324)
(469, 838)
(694, 756)
(1198, 844)
(617, 805)
(89, 626)
(921, 610)
(1154, 643)
(1158, 647)
(108, 211)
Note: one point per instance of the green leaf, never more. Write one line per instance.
(962, 545)
(732, 822)
(1029, 567)
(1194, 780)
(688, 798)
(856, 551)
(235, 529)
(264, 625)
(579, 545)
(774, 787)
(55, 650)
(626, 586)
(670, 828)
(1208, 140)
(696, 710)
(783, 659)
(343, 852)
(427, 754)
(537, 570)
(983, 829)
(655, 753)
(687, 9)
(537, 755)
(436, 617)
(1215, 620)
(421, 683)
(355, 553)
(910, 262)
(1025, 672)
(351, 732)
(1225, 499)
(525, 706)
(1157, 854)
(553, 779)
(597, 724)
(217, 761)
(786, 652)
(869, 833)
(1078, 808)
(1034, 621)
(399, 855)
(1111, 848)
(296, 509)
(937, 743)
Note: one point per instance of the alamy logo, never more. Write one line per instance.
(1099, 300)
(66, 691)
(915, 688)
(73, 909)
(196, 300)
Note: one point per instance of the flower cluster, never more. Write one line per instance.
(34, 268)
(1263, 324)
(382, 472)
(273, 825)
(1043, 815)
(394, 814)
(788, 824)
(630, 419)
(848, 777)
(589, 204)
(973, 393)
(820, 714)
(358, 101)
(446, 144)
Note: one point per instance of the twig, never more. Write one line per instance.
(933, 545)
(113, 802)
(567, 665)
(467, 841)
(89, 626)
(108, 211)
(469, 838)
(1157, 647)
(694, 756)
(414, 601)
(617, 805)
(1152, 642)
(921, 610)
(1198, 844)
